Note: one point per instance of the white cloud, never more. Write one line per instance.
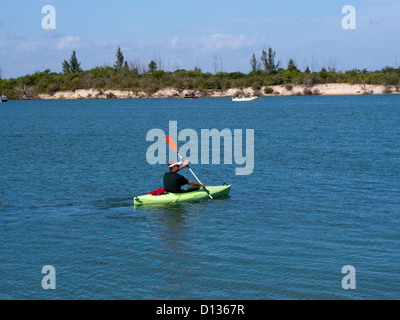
(29, 47)
(70, 43)
(227, 41)
(176, 42)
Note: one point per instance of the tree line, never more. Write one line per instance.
(264, 72)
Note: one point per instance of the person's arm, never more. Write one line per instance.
(195, 184)
(185, 164)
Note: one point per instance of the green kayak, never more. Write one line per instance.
(190, 194)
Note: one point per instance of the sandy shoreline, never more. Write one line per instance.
(283, 90)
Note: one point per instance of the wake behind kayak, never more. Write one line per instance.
(189, 194)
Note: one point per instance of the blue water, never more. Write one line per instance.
(325, 193)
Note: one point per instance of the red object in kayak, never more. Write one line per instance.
(157, 192)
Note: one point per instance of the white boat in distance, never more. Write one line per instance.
(240, 98)
(3, 99)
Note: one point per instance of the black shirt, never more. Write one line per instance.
(173, 182)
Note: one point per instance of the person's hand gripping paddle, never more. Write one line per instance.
(172, 145)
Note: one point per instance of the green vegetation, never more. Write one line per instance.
(120, 60)
(73, 66)
(268, 61)
(123, 77)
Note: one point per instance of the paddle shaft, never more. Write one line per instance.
(173, 146)
(198, 180)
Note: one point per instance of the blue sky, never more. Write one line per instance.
(185, 34)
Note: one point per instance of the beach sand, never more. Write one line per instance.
(284, 90)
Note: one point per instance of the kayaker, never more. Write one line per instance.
(174, 181)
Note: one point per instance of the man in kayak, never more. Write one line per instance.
(174, 181)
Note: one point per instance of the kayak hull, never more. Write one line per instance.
(192, 194)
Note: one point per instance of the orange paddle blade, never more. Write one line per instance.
(172, 144)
